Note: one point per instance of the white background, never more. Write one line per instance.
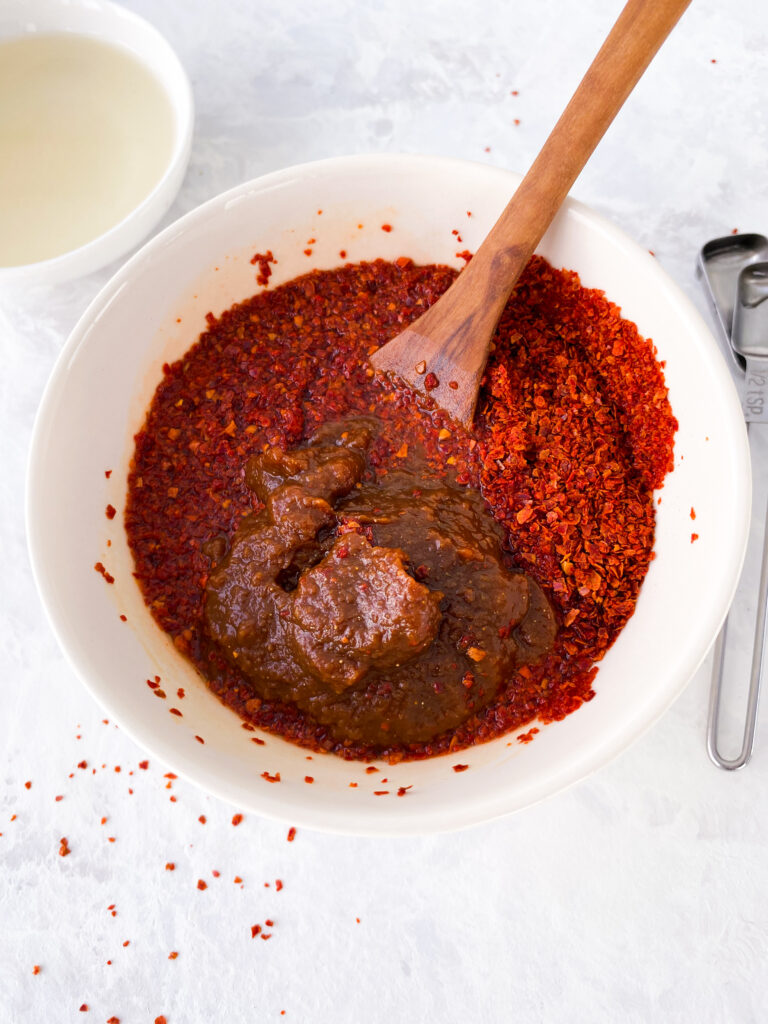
(641, 894)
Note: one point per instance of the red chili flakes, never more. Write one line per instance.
(460, 767)
(573, 424)
(83, 1008)
(693, 512)
(161, 1019)
(514, 93)
(104, 820)
(257, 741)
(199, 738)
(215, 873)
(180, 693)
(237, 880)
(123, 618)
(143, 765)
(381, 792)
(527, 737)
(271, 778)
(255, 930)
(236, 819)
(291, 834)
(386, 227)
(27, 785)
(113, 1020)
(201, 884)
(308, 779)
(343, 253)
(516, 120)
(173, 955)
(175, 711)
(111, 511)
(265, 271)
(371, 769)
(278, 884)
(126, 943)
(694, 537)
(99, 567)
(403, 790)
(57, 798)
(107, 473)
(431, 382)
(202, 819)
(36, 969)
(64, 849)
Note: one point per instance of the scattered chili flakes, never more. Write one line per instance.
(255, 930)
(58, 798)
(27, 785)
(143, 765)
(278, 884)
(199, 738)
(527, 737)
(403, 790)
(64, 849)
(694, 537)
(381, 792)
(173, 955)
(175, 711)
(201, 884)
(107, 473)
(693, 512)
(113, 1020)
(308, 779)
(180, 693)
(460, 767)
(83, 1008)
(161, 1019)
(271, 778)
(265, 271)
(111, 511)
(202, 819)
(291, 834)
(36, 969)
(386, 227)
(236, 819)
(99, 567)
(170, 866)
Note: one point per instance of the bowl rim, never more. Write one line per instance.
(581, 764)
(106, 247)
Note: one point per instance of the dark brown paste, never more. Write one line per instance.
(395, 592)
(387, 610)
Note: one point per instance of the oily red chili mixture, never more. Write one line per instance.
(573, 433)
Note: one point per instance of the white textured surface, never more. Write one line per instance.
(640, 895)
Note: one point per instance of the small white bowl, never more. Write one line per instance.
(104, 380)
(110, 23)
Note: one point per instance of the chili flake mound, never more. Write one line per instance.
(573, 433)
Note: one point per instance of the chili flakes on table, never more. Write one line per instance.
(573, 434)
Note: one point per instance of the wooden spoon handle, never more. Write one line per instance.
(641, 28)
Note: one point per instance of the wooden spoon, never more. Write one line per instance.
(445, 351)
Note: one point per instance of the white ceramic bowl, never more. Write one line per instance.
(105, 378)
(110, 23)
